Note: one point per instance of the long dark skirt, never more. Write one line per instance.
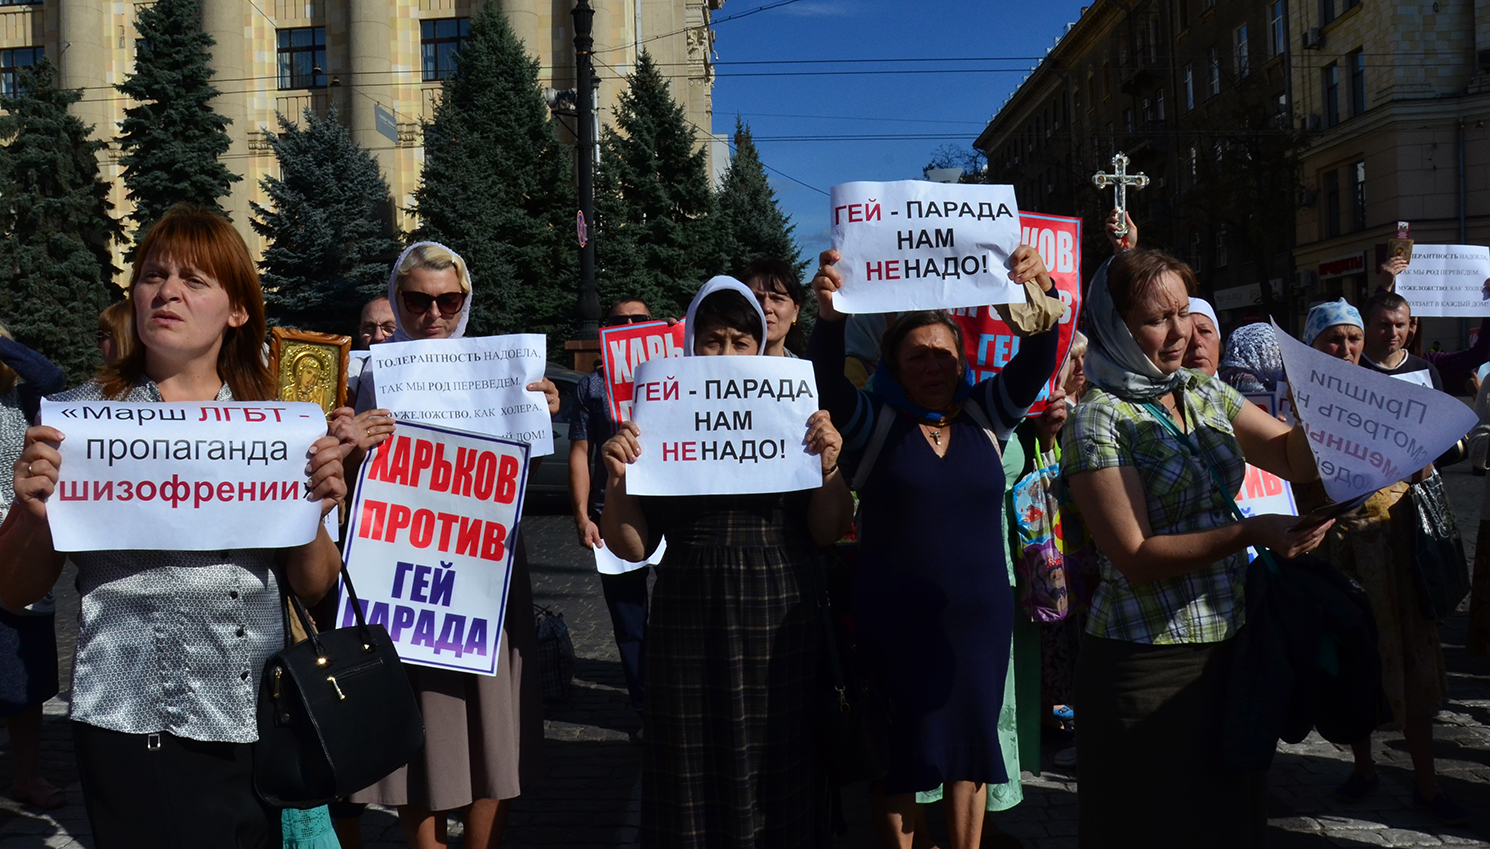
(180, 794)
(730, 756)
(1149, 772)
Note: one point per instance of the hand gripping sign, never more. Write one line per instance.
(477, 383)
(429, 547)
(914, 245)
(628, 346)
(1447, 280)
(1367, 430)
(198, 476)
(724, 426)
(990, 342)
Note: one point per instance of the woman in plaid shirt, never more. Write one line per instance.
(1143, 456)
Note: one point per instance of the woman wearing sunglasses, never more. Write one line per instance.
(483, 734)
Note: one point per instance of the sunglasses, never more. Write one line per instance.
(618, 320)
(419, 303)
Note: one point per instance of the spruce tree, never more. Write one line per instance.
(171, 139)
(328, 252)
(653, 200)
(748, 221)
(56, 230)
(496, 186)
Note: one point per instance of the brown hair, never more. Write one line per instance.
(204, 239)
(780, 277)
(118, 321)
(895, 335)
(1133, 273)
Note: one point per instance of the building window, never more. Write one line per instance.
(1276, 42)
(11, 61)
(1194, 248)
(1091, 90)
(1239, 51)
(439, 40)
(1182, 9)
(1128, 121)
(1331, 204)
(1106, 80)
(1194, 166)
(1221, 246)
(1213, 71)
(1326, 11)
(1148, 111)
(1357, 64)
(20, 2)
(1159, 103)
(1189, 87)
(302, 58)
(1331, 94)
(1207, 5)
(1153, 27)
(1111, 141)
(1358, 196)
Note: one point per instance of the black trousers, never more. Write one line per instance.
(164, 792)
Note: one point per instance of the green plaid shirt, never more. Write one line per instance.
(1203, 606)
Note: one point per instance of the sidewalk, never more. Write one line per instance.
(589, 797)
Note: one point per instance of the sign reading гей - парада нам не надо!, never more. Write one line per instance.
(915, 245)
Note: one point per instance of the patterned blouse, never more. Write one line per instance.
(1203, 606)
(173, 641)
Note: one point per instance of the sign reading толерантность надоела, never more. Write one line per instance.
(914, 245)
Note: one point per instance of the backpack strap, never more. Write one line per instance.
(981, 418)
(872, 450)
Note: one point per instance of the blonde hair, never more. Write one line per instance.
(432, 257)
(1078, 344)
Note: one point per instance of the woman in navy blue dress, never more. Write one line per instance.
(932, 605)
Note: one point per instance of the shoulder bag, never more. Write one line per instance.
(336, 712)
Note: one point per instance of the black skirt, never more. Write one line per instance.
(163, 792)
(1149, 772)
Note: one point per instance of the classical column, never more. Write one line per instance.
(226, 21)
(370, 47)
(84, 62)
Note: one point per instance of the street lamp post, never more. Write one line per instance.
(588, 311)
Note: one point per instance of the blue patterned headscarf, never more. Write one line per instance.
(1252, 349)
(1326, 315)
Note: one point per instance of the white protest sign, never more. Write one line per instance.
(475, 383)
(429, 547)
(915, 245)
(723, 426)
(1367, 430)
(198, 476)
(607, 563)
(1447, 281)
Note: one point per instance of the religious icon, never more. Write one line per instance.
(1402, 245)
(1120, 180)
(310, 367)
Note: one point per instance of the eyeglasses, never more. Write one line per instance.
(618, 320)
(388, 328)
(419, 303)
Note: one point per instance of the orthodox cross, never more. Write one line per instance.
(1120, 180)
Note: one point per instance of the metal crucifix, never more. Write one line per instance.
(1120, 180)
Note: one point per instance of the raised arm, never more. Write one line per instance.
(40, 376)
(623, 525)
(850, 407)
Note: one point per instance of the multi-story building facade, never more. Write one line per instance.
(1284, 138)
(1394, 98)
(379, 62)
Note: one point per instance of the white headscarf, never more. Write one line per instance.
(465, 310)
(720, 284)
(1200, 306)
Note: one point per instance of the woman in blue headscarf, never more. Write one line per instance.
(933, 609)
(730, 750)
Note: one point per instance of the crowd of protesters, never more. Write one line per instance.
(966, 654)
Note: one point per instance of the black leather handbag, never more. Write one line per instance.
(336, 712)
(1439, 566)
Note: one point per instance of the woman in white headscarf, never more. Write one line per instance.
(730, 755)
(483, 734)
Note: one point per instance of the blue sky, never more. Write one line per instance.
(941, 97)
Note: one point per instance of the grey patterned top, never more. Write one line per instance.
(173, 641)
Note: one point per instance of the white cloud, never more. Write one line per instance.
(820, 9)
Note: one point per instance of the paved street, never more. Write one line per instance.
(589, 797)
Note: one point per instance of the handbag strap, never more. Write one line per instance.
(819, 591)
(292, 601)
(1194, 450)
